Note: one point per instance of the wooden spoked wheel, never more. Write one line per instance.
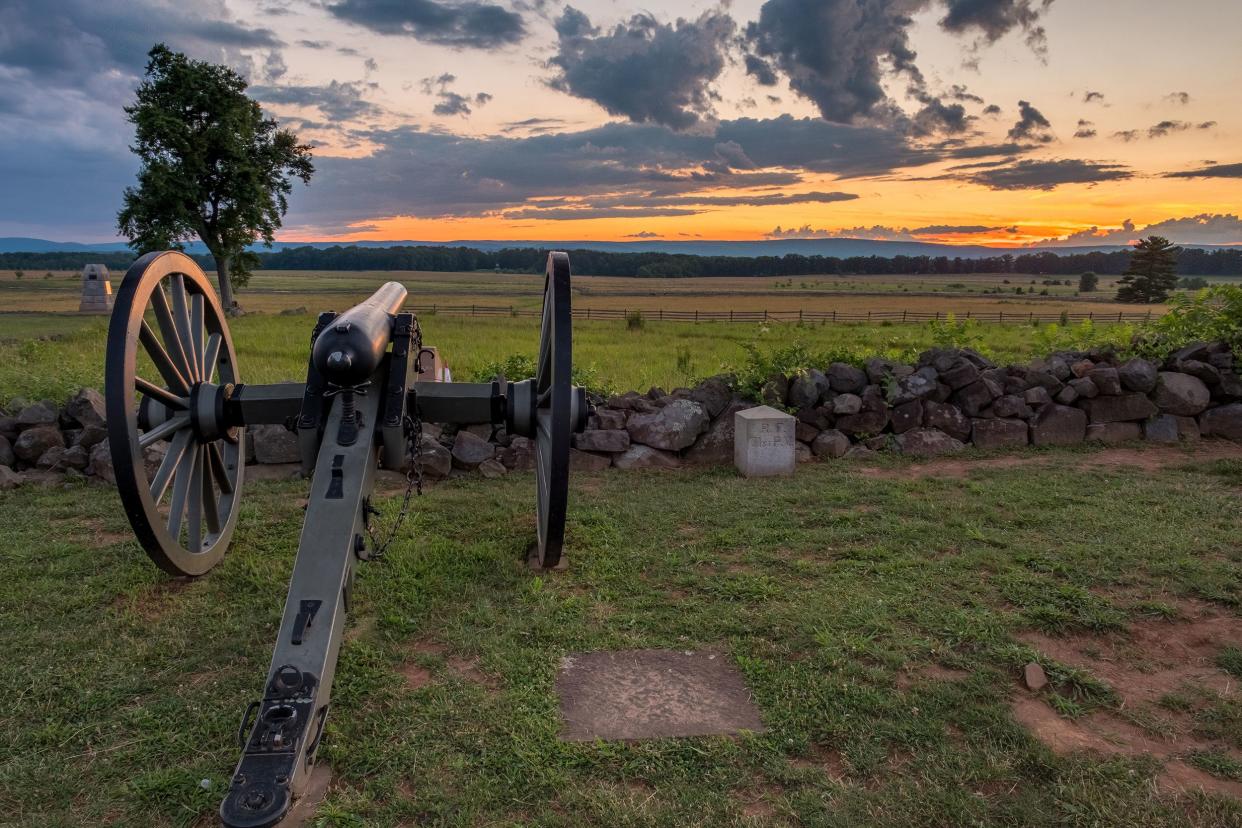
(554, 411)
(169, 374)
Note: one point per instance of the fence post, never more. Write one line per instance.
(588, 313)
(1148, 315)
(472, 310)
(1091, 315)
(1119, 317)
(834, 314)
(696, 316)
(1002, 317)
(661, 314)
(730, 314)
(903, 316)
(765, 314)
(799, 315)
(1032, 319)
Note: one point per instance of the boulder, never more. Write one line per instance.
(645, 457)
(974, 398)
(606, 418)
(608, 440)
(1011, 406)
(806, 389)
(846, 403)
(1188, 429)
(928, 442)
(802, 453)
(101, 463)
(77, 457)
(1195, 350)
(7, 457)
(672, 428)
(805, 432)
(830, 444)
(858, 453)
(87, 407)
(819, 417)
(1081, 367)
(1043, 379)
(1066, 395)
(906, 416)
(519, 455)
(960, 374)
(1224, 421)
(775, 390)
(9, 479)
(1114, 432)
(948, 418)
(713, 393)
(1085, 388)
(1060, 425)
(274, 444)
(716, 444)
(587, 461)
(1230, 387)
(37, 414)
(35, 440)
(630, 401)
(919, 385)
(470, 450)
(999, 433)
(1037, 396)
(879, 368)
(1106, 379)
(1208, 373)
(8, 427)
(1137, 375)
(1180, 394)
(869, 421)
(1162, 428)
(1132, 406)
(53, 459)
(846, 379)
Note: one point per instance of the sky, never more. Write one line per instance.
(1003, 122)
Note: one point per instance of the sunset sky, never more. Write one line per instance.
(965, 121)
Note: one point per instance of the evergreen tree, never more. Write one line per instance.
(212, 166)
(1088, 282)
(1152, 274)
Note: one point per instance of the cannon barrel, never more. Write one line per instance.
(349, 350)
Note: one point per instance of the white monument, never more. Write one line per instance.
(96, 290)
(763, 442)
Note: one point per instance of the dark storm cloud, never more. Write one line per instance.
(1031, 174)
(468, 24)
(645, 70)
(337, 101)
(1031, 125)
(835, 53)
(1210, 171)
(995, 18)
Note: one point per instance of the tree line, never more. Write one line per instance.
(1220, 262)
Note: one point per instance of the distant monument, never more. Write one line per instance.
(96, 290)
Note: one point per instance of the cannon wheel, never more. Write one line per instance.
(554, 408)
(166, 384)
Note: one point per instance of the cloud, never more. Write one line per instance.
(336, 100)
(461, 25)
(644, 70)
(1210, 171)
(991, 109)
(1182, 98)
(1086, 129)
(996, 18)
(1161, 130)
(1206, 228)
(1031, 125)
(959, 229)
(450, 102)
(879, 232)
(643, 234)
(1093, 97)
(1032, 174)
(1127, 135)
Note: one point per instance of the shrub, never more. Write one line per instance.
(1088, 282)
(1192, 283)
(953, 333)
(517, 367)
(19, 273)
(634, 320)
(1211, 314)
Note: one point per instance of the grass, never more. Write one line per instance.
(834, 593)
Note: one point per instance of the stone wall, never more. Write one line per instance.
(949, 400)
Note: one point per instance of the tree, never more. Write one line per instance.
(212, 166)
(1152, 274)
(1087, 282)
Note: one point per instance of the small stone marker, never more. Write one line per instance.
(652, 694)
(1034, 677)
(96, 290)
(763, 442)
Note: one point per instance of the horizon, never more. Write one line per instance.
(992, 123)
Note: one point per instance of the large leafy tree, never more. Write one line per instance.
(212, 166)
(1152, 274)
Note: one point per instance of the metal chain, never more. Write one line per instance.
(413, 428)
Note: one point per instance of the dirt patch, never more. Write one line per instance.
(305, 809)
(416, 677)
(758, 803)
(468, 669)
(1146, 458)
(1150, 660)
(824, 759)
(928, 672)
(92, 532)
(151, 602)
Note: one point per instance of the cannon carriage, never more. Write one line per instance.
(172, 380)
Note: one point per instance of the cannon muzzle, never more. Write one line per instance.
(349, 350)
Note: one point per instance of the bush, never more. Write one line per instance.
(952, 333)
(19, 273)
(1192, 283)
(1209, 315)
(1088, 282)
(517, 367)
(634, 321)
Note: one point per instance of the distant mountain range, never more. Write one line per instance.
(841, 248)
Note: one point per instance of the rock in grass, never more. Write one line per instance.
(1225, 421)
(645, 457)
(470, 450)
(9, 479)
(830, 444)
(928, 442)
(1181, 394)
(1034, 677)
(34, 442)
(1137, 375)
(1060, 425)
(672, 428)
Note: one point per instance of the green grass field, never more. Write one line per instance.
(877, 616)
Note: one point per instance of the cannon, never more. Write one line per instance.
(172, 380)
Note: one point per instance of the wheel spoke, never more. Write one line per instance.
(218, 469)
(163, 362)
(181, 493)
(164, 475)
(211, 505)
(543, 377)
(181, 316)
(212, 356)
(172, 339)
(196, 332)
(194, 510)
(169, 399)
(163, 430)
